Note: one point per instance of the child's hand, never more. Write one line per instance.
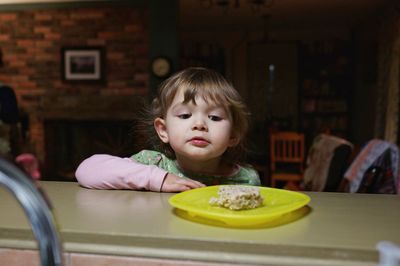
(173, 183)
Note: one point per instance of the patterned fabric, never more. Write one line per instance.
(319, 160)
(244, 175)
(377, 153)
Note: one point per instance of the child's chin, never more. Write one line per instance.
(202, 156)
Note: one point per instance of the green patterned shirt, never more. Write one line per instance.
(245, 175)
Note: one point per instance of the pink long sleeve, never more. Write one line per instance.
(102, 171)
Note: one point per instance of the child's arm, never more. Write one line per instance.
(103, 171)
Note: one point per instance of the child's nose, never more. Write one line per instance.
(199, 124)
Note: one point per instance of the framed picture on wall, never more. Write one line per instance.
(82, 64)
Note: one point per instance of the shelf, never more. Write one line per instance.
(325, 80)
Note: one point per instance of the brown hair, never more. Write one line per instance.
(212, 86)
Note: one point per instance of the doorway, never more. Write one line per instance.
(272, 89)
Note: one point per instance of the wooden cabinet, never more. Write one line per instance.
(326, 85)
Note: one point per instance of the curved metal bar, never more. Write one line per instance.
(36, 209)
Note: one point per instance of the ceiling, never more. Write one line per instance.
(283, 14)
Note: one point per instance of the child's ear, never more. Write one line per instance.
(161, 128)
(233, 141)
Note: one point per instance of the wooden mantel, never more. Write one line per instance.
(90, 107)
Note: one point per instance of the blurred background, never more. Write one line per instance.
(310, 66)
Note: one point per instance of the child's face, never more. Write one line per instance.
(199, 132)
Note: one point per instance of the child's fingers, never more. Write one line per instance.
(176, 188)
(190, 183)
(174, 183)
(199, 184)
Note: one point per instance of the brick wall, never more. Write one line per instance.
(31, 42)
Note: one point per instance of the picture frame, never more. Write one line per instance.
(82, 64)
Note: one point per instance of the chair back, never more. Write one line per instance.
(375, 169)
(327, 160)
(286, 147)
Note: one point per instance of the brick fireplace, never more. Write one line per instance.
(70, 120)
(68, 129)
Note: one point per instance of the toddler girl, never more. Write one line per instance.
(201, 122)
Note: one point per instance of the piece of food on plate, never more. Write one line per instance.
(237, 197)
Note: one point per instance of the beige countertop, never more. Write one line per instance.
(340, 228)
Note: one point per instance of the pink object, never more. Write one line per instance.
(102, 171)
(30, 164)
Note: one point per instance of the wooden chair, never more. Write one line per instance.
(286, 157)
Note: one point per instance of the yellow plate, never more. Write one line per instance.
(277, 203)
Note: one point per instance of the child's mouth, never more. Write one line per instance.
(197, 141)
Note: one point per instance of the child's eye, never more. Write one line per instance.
(215, 117)
(184, 116)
